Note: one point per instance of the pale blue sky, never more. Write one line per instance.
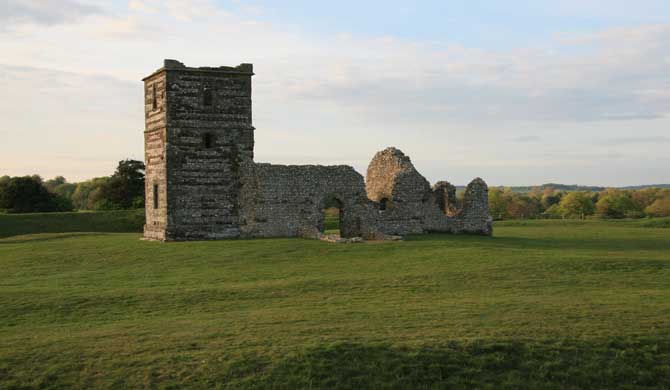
(475, 23)
(517, 92)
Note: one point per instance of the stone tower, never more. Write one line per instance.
(197, 132)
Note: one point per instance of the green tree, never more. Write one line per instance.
(124, 190)
(644, 198)
(535, 193)
(522, 207)
(55, 182)
(59, 186)
(497, 204)
(4, 180)
(660, 208)
(615, 203)
(576, 204)
(550, 197)
(65, 190)
(553, 212)
(663, 193)
(83, 197)
(28, 194)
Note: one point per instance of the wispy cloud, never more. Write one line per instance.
(95, 119)
(637, 140)
(342, 92)
(16, 12)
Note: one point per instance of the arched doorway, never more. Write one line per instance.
(333, 211)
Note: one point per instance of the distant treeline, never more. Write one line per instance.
(124, 189)
(28, 194)
(573, 187)
(548, 202)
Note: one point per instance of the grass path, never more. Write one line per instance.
(549, 304)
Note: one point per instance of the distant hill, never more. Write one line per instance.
(646, 186)
(575, 187)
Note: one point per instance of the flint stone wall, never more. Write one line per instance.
(393, 180)
(474, 216)
(205, 117)
(413, 207)
(289, 200)
(202, 182)
(155, 137)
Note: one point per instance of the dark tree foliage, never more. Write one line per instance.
(52, 184)
(28, 195)
(615, 203)
(552, 199)
(124, 189)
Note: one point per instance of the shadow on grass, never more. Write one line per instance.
(624, 364)
(511, 365)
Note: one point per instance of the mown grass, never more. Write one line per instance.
(642, 222)
(332, 221)
(108, 221)
(543, 304)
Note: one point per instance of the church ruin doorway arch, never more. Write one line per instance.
(332, 212)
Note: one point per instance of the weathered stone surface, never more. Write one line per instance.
(289, 200)
(475, 217)
(400, 192)
(204, 118)
(445, 196)
(337, 239)
(202, 182)
(155, 142)
(407, 204)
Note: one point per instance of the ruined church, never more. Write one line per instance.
(202, 182)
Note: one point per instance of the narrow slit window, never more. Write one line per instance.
(208, 140)
(155, 196)
(207, 97)
(154, 98)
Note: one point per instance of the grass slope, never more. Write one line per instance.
(543, 304)
(108, 221)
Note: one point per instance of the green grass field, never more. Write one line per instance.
(542, 304)
(108, 221)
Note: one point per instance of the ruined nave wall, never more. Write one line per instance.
(408, 205)
(289, 200)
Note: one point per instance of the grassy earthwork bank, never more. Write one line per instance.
(542, 304)
(122, 221)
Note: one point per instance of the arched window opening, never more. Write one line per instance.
(207, 97)
(208, 140)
